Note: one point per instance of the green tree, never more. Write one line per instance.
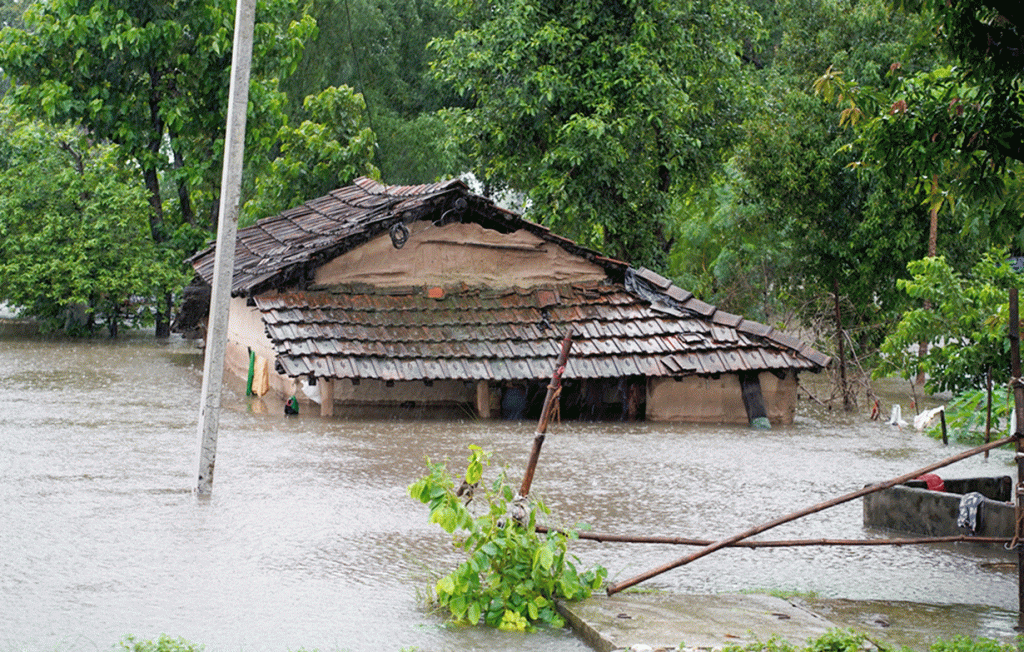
(719, 253)
(986, 37)
(11, 11)
(378, 47)
(793, 230)
(966, 327)
(152, 78)
(73, 232)
(600, 111)
(782, 221)
(10, 16)
(947, 133)
(927, 131)
(951, 132)
(329, 148)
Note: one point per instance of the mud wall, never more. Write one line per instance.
(458, 253)
(706, 399)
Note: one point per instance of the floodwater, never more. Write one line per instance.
(310, 541)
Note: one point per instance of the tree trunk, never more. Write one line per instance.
(156, 218)
(933, 241)
(844, 388)
(184, 197)
(156, 214)
(152, 178)
(163, 317)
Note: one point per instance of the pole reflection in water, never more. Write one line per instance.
(310, 540)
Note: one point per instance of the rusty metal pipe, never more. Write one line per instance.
(683, 541)
(718, 545)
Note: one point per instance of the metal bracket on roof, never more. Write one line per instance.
(458, 208)
(641, 288)
(399, 235)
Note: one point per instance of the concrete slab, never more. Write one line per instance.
(667, 621)
(916, 625)
(663, 621)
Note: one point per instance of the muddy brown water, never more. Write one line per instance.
(310, 541)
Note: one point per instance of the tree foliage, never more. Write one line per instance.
(951, 132)
(986, 37)
(966, 327)
(152, 78)
(378, 47)
(600, 111)
(329, 148)
(74, 245)
(723, 251)
(927, 130)
(797, 223)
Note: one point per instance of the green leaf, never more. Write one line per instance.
(446, 585)
(473, 615)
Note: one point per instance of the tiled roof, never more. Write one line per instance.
(474, 333)
(637, 322)
(278, 251)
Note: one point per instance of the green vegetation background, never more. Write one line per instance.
(792, 160)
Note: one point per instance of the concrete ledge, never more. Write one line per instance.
(667, 621)
(664, 621)
(914, 509)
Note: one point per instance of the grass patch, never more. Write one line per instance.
(785, 594)
(847, 640)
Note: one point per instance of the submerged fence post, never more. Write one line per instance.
(224, 259)
(1018, 408)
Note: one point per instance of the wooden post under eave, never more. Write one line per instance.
(326, 396)
(483, 399)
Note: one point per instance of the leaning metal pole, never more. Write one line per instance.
(1018, 407)
(224, 260)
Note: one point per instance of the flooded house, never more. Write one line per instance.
(430, 299)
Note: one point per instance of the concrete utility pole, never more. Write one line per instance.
(224, 261)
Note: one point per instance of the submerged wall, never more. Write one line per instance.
(706, 399)
(932, 513)
(246, 332)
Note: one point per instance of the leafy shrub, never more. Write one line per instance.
(965, 416)
(838, 640)
(513, 574)
(964, 644)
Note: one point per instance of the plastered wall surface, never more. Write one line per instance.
(702, 399)
(458, 253)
